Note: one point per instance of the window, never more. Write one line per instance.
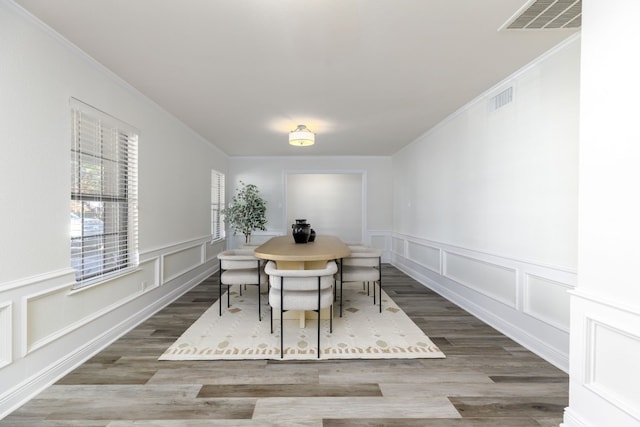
(104, 188)
(217, 205)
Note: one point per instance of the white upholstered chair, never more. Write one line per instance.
(307, 290)
(240, 267)
(363, 265)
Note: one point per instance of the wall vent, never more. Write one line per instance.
(546, 14)
(500, 100)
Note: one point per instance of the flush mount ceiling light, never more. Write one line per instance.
(302, 137)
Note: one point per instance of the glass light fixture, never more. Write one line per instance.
(302, 137)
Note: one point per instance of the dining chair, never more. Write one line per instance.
(306, 290)
(363, 265)
(359, 247)
(240, 267)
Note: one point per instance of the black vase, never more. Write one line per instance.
(301, 231)
(312, 235)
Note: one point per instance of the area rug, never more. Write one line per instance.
(361, 333)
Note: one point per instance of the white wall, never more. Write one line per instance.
(331, 202)
(485, 204)
(269, 174)
(605, 307)
(45, 329)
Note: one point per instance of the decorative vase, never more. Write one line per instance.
(301, 231)
(312, 235)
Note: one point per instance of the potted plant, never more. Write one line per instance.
(246, 211)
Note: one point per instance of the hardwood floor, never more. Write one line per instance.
(486, 379)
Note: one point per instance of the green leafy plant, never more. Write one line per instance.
(246, 211)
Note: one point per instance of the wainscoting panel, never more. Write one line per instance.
(179, 262)
(213, 249)
(493, 280)
(612, 370)
(6, 335)
(604, 375)
(68, 326)
(59, 311)
(524, 300)
(547, 300)
(426, 255)
(150, 275)
(397, 246)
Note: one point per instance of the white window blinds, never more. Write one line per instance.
(104, 190)
(217, 205)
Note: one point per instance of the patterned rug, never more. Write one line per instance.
(361, 333)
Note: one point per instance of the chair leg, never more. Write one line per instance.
(331, 318)
(281, 318)
(318, 317)
(220, 285)
(318, 334)
(259, 303)
(380, 281)
(374, 293)
(341, 261)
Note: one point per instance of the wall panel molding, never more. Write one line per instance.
(35, 343)
(604, 373)
(380, 239)
(6, 335)
(610, 372)
(506, 292)
(40, 278)
(73, 356)
(546, 300)
(103, 312)
(492, 280)
(181, 261)
(174, 247)
(428, 256)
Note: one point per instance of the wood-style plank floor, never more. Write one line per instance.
(486, 380)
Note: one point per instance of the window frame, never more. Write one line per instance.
(218, 227)
(104, 180)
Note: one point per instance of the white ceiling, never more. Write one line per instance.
(368, 76)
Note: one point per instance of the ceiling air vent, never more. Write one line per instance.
(500, 100)
(547, 14)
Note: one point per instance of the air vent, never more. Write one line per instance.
(500, 100)
(547, 14)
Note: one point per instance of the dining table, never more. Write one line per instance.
(289, 255)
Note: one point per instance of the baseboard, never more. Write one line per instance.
(571, 419)
(39, 381)
(510, 326)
